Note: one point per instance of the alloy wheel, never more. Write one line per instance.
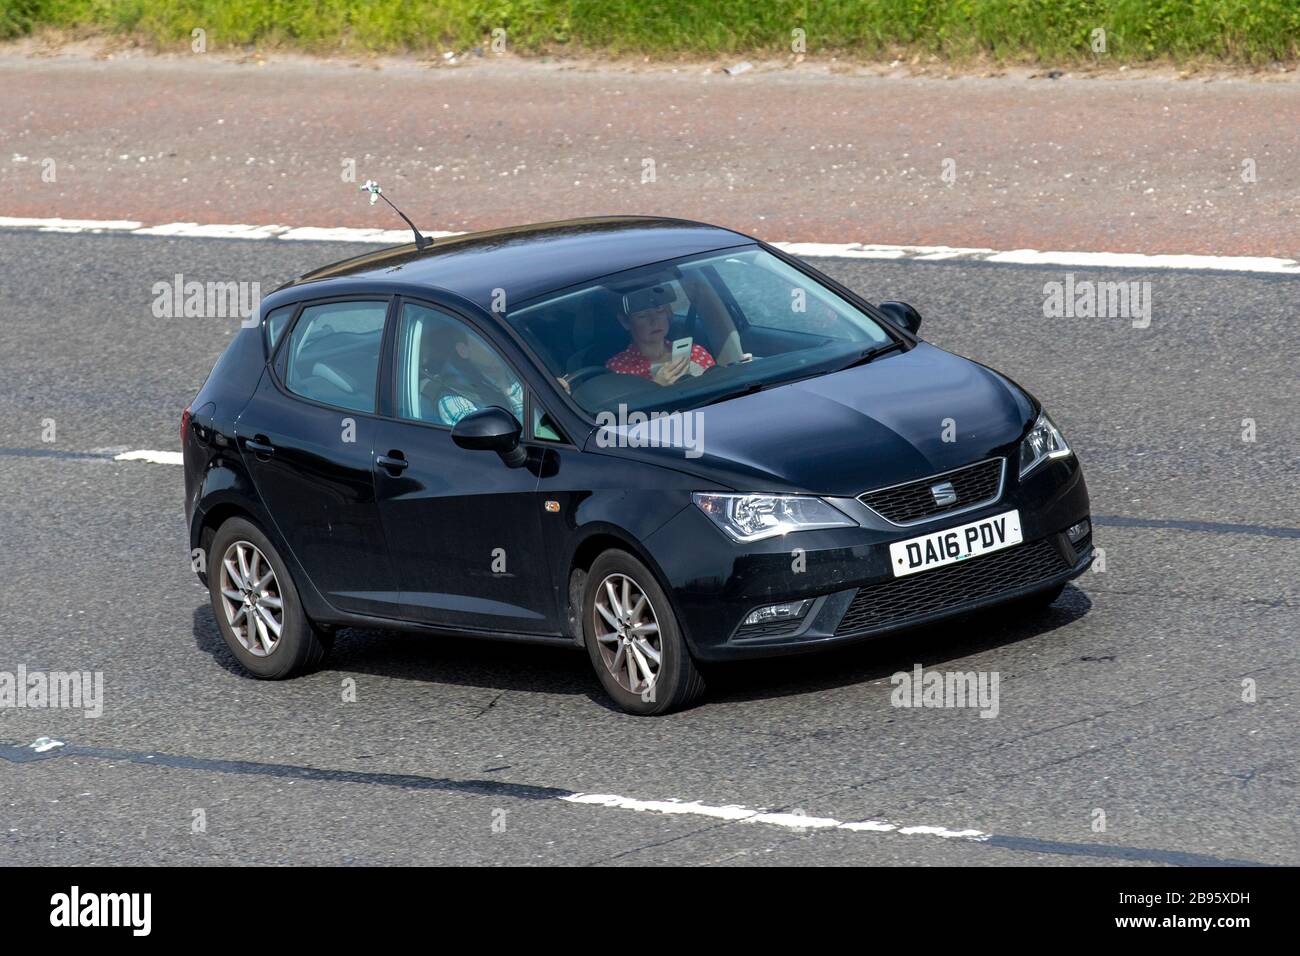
(627, 633)
(251, 597)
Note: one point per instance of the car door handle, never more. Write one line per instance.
(394, 461)
(259, 447)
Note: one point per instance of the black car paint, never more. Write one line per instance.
(415, 546)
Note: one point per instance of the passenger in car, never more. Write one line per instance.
(466, 377)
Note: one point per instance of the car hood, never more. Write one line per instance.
(847, 432)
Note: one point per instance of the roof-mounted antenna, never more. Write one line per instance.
(372, 187)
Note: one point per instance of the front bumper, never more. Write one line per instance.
(847, 574)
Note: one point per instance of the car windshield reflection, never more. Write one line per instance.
(692, 331)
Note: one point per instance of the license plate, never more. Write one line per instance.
(951, 545)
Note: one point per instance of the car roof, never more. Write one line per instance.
(528, 261)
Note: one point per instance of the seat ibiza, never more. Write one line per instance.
(662, 441)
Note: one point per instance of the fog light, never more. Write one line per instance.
(1077, 532)
(790, 611)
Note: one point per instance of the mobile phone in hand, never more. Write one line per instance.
(681, 347)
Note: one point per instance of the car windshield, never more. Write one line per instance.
(693, 331)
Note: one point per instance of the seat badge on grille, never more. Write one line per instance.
(944, 494)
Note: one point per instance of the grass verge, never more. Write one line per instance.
(1239, 32)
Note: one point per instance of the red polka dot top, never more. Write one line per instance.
(632, 361)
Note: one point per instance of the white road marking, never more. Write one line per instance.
(862, 250)
(790, 821)
(842, 250)
(69, 225)
(193, 230)
(385, 237)
(153, 457)
(1132, 260)
(1032, 257)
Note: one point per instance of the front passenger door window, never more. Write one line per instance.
(446, 370)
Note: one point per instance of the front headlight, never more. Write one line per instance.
(754, 517)
(1043, 442)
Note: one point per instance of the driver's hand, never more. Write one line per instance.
(564, 383)
(670, 372)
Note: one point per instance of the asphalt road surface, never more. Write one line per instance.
(1126, 698)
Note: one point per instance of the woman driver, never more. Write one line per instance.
(646, 316)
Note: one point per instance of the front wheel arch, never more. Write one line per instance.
(597, 541)
(679, 682)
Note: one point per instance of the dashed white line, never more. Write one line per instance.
(153, 457)
(842, 250)
(790, 821)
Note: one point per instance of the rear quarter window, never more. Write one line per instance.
(276, 320)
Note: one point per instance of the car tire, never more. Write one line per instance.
(621, 653)
(240, 557)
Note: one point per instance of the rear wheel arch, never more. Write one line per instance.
(286, 642)
(225, 490)
(318, 609)
(212, 521)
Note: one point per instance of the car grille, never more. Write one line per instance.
(903, 504)
(903, 599)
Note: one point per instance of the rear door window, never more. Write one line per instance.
(333, 354)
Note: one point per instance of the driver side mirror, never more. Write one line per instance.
(902, 315)
(491, 429)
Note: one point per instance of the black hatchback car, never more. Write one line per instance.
(664, 441)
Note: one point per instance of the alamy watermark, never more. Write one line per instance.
(1086, 299)
(192, 299)
(948, 689)
(62, 690)
(133, 911)
(624, 429)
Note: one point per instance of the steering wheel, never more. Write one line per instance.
(752, 358)
(586, 373)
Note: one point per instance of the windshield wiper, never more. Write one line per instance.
(749, 389)
(870, 354)
(753, 387)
